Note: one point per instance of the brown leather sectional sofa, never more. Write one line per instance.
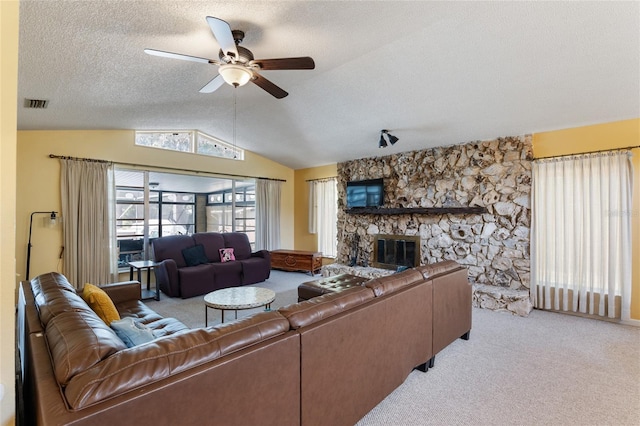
(327, 360)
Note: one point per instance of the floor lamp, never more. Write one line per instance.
(52, 221)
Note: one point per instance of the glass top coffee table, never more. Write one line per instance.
(237, 298)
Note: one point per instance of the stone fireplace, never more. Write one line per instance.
(391, 251)
(494, 245)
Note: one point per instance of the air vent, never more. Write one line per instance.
(36, 103)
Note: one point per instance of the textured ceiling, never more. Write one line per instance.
(433, 73)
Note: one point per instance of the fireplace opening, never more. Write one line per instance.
(391, 251)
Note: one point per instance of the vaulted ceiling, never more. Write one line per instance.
(433, 73)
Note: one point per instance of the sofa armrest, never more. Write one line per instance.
(123, 291)
(452, 313)
(167, 277)
(263, 254)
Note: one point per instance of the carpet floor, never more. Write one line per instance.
(191, 311)
(546, 369)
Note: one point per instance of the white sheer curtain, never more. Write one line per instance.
(87, 189)
(323, 214)
(581, 234)
(313, 208)
(268, 214)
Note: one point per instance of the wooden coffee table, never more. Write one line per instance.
(237, 298)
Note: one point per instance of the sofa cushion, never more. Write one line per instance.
(137, 310)
(194, 256)
(101, 303)
(391, 283)
(226, 255)
(132, 332)
(240, 244)
(143, 314)
(53, 295)
(77, 341)
(163, 357)
(228, 274)
(212, 242)
(56, 301)
(325, 306)
(50, 281)
(170, 247)
(255, 269)
(166, 327)
(197, 280)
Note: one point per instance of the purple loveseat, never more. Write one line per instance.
(176, 278)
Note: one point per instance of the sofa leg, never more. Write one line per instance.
(466, 335)
(432, 362)
(423, 367)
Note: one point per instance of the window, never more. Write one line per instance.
(174, 214)
(143, 214)
(130, 219)
(581, 246)
(208, 145)
(233, 209)
(174, 141)
(154, 204)
(323, 214)
(191, 141)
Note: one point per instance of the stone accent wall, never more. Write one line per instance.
(494, 174)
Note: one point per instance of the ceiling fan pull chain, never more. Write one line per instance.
(235, 113)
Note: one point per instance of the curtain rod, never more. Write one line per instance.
(587, 152)
(63, 157)
(321, 179)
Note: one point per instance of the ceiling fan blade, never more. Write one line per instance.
(268, 86)
(222, 32)
(179, 56)
(213, 85)
(302, 63)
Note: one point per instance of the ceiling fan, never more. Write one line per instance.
(237, 65)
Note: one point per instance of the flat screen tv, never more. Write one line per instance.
(365, 193)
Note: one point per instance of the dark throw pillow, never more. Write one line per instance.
(195, 255)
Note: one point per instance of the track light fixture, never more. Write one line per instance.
(390, 138)
(382, 143)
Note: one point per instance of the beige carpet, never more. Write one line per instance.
(547, 369)
(191, 311)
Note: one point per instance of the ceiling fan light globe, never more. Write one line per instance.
(235, 75)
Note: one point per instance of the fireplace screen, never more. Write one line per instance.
(391, 251)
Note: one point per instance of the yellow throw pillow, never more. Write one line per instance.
(101, 303)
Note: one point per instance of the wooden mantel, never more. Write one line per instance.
(417, 210)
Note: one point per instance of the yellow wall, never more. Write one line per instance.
(618, 134)
(38, 182)
(8, 114)
(302, 238)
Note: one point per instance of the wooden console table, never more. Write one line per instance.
(296, 260)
